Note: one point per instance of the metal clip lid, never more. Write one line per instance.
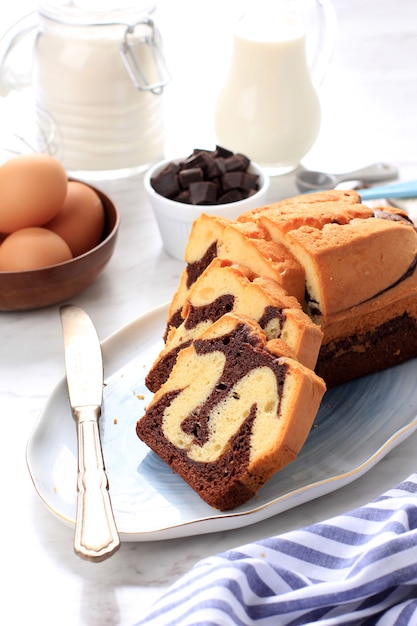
(132, 64)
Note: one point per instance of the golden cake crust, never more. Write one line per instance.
(315, 209)
(348, 264)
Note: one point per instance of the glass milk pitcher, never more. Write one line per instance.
(99, 72)
(268, 107)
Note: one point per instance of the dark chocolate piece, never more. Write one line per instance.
(207, 177)
(166, 183)
(204, 192)
(233, 195)
(223, 152)
(197, 159)
(239, 180)
(190, 175)
(183, 196)
(237, 163)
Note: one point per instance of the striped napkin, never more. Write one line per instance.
(357, 568)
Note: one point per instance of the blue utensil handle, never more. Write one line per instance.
(407, 189)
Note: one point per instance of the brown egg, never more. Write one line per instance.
(32, 248)
(32, 190)
(80, 222)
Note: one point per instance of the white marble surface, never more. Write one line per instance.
(369, 114)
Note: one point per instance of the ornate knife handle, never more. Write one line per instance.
(96, 536)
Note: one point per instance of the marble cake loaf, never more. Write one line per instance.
(239, 381)
(360, 278)
(234, 410)
(223, 287)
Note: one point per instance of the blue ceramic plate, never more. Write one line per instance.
(357, 425)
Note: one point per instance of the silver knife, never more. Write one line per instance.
(96, 536)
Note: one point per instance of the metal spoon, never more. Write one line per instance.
(309, 180)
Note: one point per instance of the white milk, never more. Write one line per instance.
(105, 122)
(268, 108)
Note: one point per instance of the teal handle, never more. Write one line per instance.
(406, 189)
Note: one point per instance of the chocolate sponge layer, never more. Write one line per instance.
(392, 343)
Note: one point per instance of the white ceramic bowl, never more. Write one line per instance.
(175, 219)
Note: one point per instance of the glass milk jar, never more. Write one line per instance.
(99, 72)
(268, 107)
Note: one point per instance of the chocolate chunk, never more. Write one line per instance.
(236, 163)
(223, 152)
(207, 177)
(204, 192)
(250, 182)
(191, 175)
(233, 195)
(200, 159)
(221, 165)
(239, 180)
(183, 196)
(213, 170)
(166, 183)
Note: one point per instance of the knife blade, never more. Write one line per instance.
(96, 537)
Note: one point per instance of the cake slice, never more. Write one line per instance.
(225, 287)
(245, 243)
(235, 410)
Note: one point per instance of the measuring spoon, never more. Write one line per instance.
(309, 180)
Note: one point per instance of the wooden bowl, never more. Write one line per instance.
(34, 289)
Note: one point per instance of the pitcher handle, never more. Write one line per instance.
(10, 79)
(327, 41)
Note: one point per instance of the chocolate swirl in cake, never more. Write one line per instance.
(191, 272)
(240, 359)
(234, 411)
(385, 346)
(224, 287)
(395, 217)
(218, 460)
(212, 312)
(195, 269)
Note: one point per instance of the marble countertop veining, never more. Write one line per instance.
(369, 101)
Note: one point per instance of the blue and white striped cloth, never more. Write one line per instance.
(358, 568)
